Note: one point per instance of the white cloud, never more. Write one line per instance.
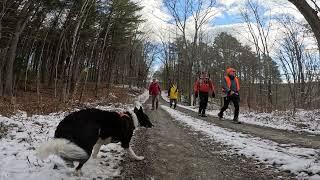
(229, 3)
(209, 14)
(156, 18)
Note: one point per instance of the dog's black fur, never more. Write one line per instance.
(85, 127)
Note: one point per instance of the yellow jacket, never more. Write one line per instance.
(173, 92)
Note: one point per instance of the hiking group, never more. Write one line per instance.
(203, 88)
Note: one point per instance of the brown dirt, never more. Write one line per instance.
(29, 101)
(172, 151)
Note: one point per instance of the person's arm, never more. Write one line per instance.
(224, 86)
(150, 89)
(212, 88)
(196, 89)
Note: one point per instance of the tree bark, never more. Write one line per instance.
(21, 24)
(310, 15)
(8, 89)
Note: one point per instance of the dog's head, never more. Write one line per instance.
(142, 118)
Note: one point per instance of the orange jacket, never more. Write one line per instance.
(227, 86)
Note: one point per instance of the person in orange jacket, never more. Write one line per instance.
(231, 87)
(202, 88)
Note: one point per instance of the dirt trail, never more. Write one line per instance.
(172, 151)
(280, 136)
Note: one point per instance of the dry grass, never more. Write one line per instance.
(29, 101)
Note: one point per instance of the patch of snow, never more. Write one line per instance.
(143, 97)
(303, 121)
(112, 95)
(26, 134)
(18, 159)
(285, 157)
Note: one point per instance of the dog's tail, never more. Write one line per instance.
(63, 148)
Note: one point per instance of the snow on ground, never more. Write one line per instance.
(300, 161)
(143, 97)
(25, 134)
(303, 121)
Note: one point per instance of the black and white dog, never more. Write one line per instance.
(83, 131)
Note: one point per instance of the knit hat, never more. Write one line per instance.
(229, 70)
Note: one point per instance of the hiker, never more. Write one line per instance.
(173, 93)
(231, 87)
(195, 90)
(154, 91)
(202, 88)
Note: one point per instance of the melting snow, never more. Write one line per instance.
(286, 157)
(25, 134)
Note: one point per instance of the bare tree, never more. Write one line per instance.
(200, 11)
(259, 31)
(22, 19)
(311, 15)
(298, 64)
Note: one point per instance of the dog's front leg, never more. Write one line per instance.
(96, 149)
(133, 155)
(98, 145)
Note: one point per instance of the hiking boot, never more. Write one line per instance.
(203, 115)
(236, 121)
(220, 115)
(199, 114)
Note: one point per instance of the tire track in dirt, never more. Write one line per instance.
(300, 139)
(172, 151)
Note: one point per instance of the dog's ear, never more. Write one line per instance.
(135, 109)
(141, 109)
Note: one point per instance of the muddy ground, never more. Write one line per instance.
(172, 151)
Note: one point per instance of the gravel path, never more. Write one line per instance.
(172, 151)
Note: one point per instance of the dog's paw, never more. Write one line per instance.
(139, 158)
(78, 173)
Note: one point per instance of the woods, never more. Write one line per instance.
(65, 45)
(275, 73)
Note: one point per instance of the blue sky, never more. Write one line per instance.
(227, 18)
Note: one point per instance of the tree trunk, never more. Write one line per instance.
(8, 89)
(39, 67)
(57, 63)
(310, 15)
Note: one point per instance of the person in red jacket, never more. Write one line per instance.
(154, 91)
(202, 88)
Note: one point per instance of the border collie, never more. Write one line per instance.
(83, 131)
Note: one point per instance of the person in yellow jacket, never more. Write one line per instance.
(173, 93)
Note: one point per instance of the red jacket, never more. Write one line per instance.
(201, 86)
(154, 88)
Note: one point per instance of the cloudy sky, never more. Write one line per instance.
(225, 17)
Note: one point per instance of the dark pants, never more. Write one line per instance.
(235, 100)
(155, 99)
(203, 102)
(173, 101)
